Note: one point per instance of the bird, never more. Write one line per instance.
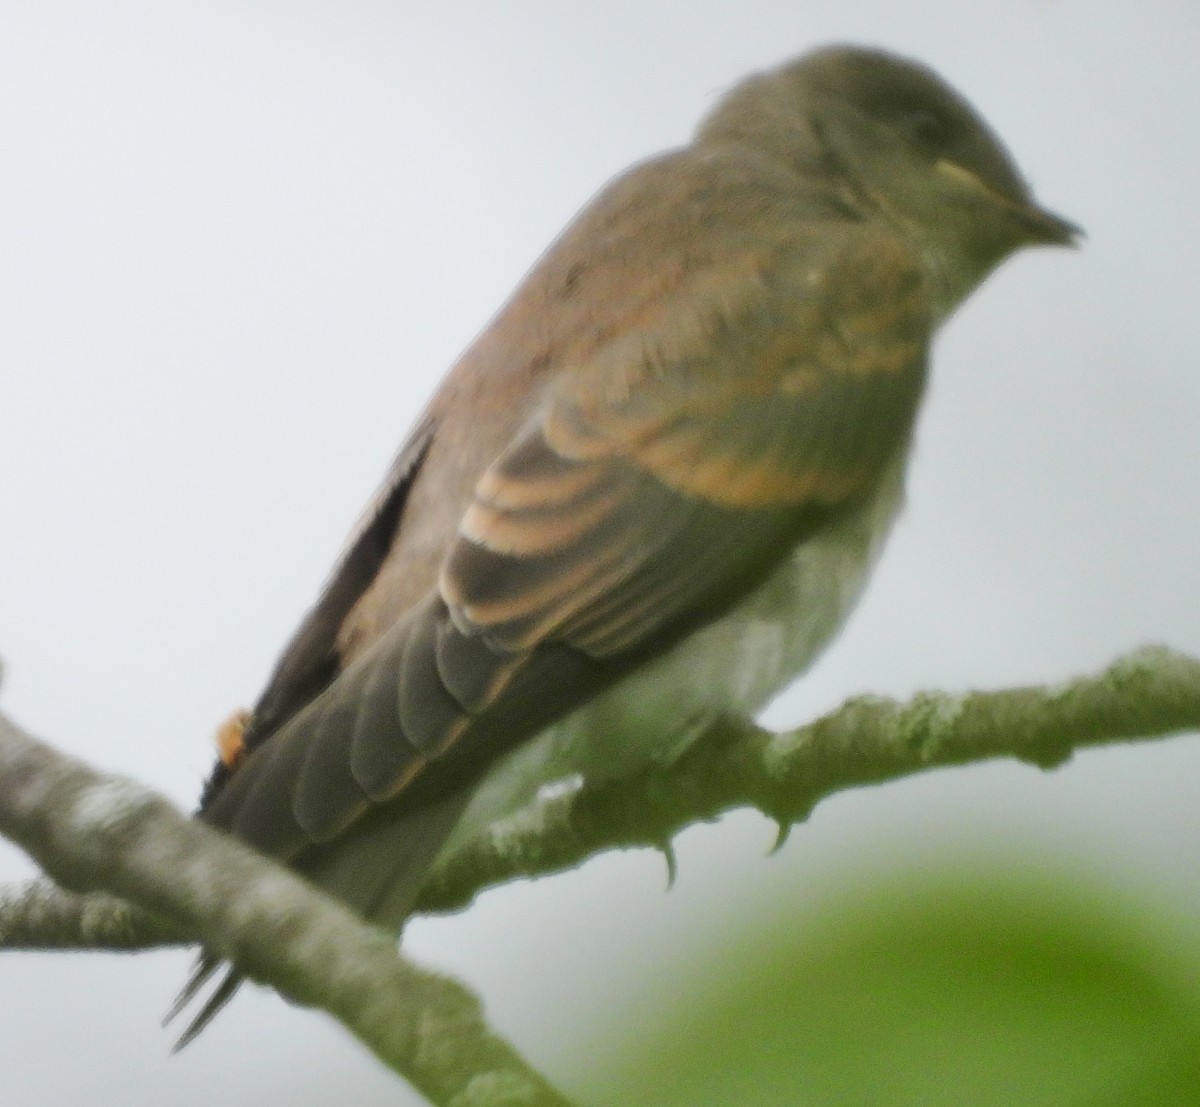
(648, 494)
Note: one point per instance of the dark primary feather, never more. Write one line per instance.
(310, 660)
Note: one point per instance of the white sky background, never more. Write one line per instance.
(239, 243)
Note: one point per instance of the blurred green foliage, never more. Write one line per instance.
(981, 985)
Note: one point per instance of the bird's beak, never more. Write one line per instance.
(1047, 228)
(1037, 224)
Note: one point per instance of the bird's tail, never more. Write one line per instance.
(376, 868)
(205, 968)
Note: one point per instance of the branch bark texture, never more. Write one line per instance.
(1148, 694)
(90, 831)
(100, 837)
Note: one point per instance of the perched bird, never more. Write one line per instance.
(651, 490)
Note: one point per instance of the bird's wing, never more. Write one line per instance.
(652, 488)
(310, 661)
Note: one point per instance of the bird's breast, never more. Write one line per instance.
(734, 665)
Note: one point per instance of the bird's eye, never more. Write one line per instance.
(928, 130)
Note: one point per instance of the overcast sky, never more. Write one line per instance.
(240, 242)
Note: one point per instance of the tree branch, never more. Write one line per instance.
(1150, 693)
(93, 832)
(90, 831)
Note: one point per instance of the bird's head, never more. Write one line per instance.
(898, 143)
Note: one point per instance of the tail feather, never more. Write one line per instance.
(377, 869)
(206, 967)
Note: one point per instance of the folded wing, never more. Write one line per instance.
(652, 488)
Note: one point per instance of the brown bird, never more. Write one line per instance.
(651, 490)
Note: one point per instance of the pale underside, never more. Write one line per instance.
(733, 666)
